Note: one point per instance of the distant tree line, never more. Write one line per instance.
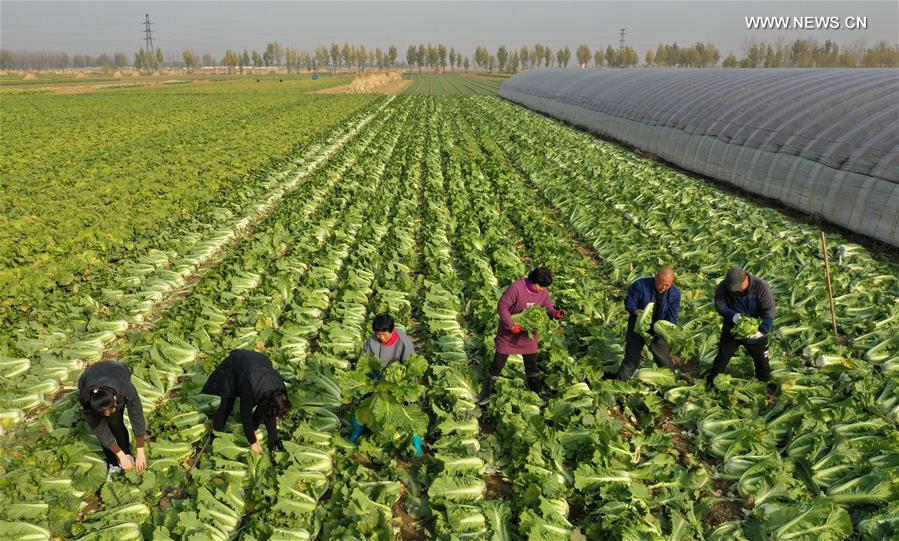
(800, 53)
(148, 61)
(807, 53)
(435, 57)
(333, 58)
(511, 60)
(10, 59)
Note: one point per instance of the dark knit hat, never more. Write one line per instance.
(734, 279)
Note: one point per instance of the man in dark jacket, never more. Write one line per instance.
(661, 291)
(250, 376)
(743, 295)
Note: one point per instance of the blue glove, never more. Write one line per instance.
(416, 442)
(357, 429)
(374, 375)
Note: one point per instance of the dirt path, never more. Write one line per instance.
(397, 88)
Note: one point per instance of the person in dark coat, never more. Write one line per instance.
(249, 375)
(742, 294)
(510, 340)
(105, 392)
(661, 291)
(389, 345)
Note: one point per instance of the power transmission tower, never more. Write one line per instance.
(148, 39)
(148, 34)
(621, 40)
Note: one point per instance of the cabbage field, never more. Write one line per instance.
(427, 207)
(430, 84)
(90, 179)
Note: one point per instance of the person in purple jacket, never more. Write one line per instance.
(510, 339)
(661, 291)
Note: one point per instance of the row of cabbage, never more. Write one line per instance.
(289, 486)
(321, 338)
(551, 449)
(459, 275)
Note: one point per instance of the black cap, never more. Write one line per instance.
(734, 279)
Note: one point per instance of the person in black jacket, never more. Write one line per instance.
(105, 391)
(249, 375)
(742, 294)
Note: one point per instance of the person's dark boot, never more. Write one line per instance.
(534, 383)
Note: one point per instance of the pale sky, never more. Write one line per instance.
(96, 27)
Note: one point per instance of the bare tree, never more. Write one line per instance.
(441, 56)
(120, 60)
(335, 56)
(411, 56)
(391, 56)
(191, 59)
(231, 60)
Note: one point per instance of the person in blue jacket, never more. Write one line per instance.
(739, 295)
(661, 291)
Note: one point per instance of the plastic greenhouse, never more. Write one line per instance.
(823, 141)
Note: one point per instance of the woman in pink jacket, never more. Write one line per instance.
(510, 339)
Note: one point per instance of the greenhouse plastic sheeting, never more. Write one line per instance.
(823, 141)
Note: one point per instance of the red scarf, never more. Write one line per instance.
(393, 338)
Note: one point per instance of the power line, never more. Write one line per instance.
(16, 43)
(16, 35)
(94, 25)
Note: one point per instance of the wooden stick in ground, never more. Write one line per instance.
(833, 312)
(197, 458)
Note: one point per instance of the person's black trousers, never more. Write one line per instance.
(531, 368)
(728, 346)
(220, 419)
(633, 348)
(116, 423)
